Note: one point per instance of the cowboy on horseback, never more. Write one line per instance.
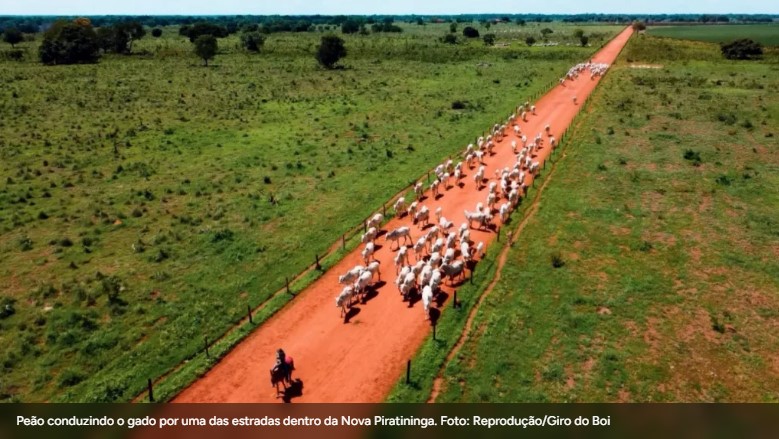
(284, 363)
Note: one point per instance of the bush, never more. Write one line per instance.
(252, 41)
(156, 32)
(584, 39)
(530, 41)
(449, 39)
(489, 39)
(470, 32)
(693, 156)
(556, 259)
(742, 49)
(458, 105)
(331, 50)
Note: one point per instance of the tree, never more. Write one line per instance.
(350, 27)
(453, 27)
(13, 36)
(530, 41)
(545, 32)
(470, 32)
(489, 39)
(125, 34)
(584, 39)
(331, 49)
(742, 49)
(420, 22)
(639, 26)
(156, 32)
(449, 39)
(578, 33)
(252, 41)
(521, 22)
(206, 47)
(70, 42)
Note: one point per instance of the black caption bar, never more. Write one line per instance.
(342, 421)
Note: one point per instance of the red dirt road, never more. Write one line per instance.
(361, 360)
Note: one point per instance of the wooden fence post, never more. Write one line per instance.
(206, 345)
(343, 241)
(249, 311)
(151, 391)
(286, 280)
(318, 266)
(408, 372)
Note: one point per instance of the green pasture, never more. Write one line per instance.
(145, 201)
(767, 34)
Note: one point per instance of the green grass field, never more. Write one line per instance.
(135, 202)
(767, 34)
(664, 211)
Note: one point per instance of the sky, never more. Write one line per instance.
(379, 7)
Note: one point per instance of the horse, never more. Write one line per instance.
(282, 375)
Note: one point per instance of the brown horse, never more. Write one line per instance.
(282, 375)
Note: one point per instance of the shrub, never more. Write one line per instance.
(156, 32)
(331, 50)
(489, 39)
(724, 180)
(252, 41)
(470, 32)
(530, 41)
(693, 156)
(458, 105)
(449, 39)
(556, 259)
(742, 49)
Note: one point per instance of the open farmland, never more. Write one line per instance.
(649, 271)
(767, 34)
(146, 201)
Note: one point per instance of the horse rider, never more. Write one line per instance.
(284, 362)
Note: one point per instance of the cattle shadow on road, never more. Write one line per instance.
(351, 313)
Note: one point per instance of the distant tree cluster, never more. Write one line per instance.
(639, 26)
(742, 49)
(70, 42)
(203, 28)
(119, 37)
(387, 25)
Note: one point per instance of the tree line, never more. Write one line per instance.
(301, 23)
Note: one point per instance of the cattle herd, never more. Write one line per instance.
(441, 251)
